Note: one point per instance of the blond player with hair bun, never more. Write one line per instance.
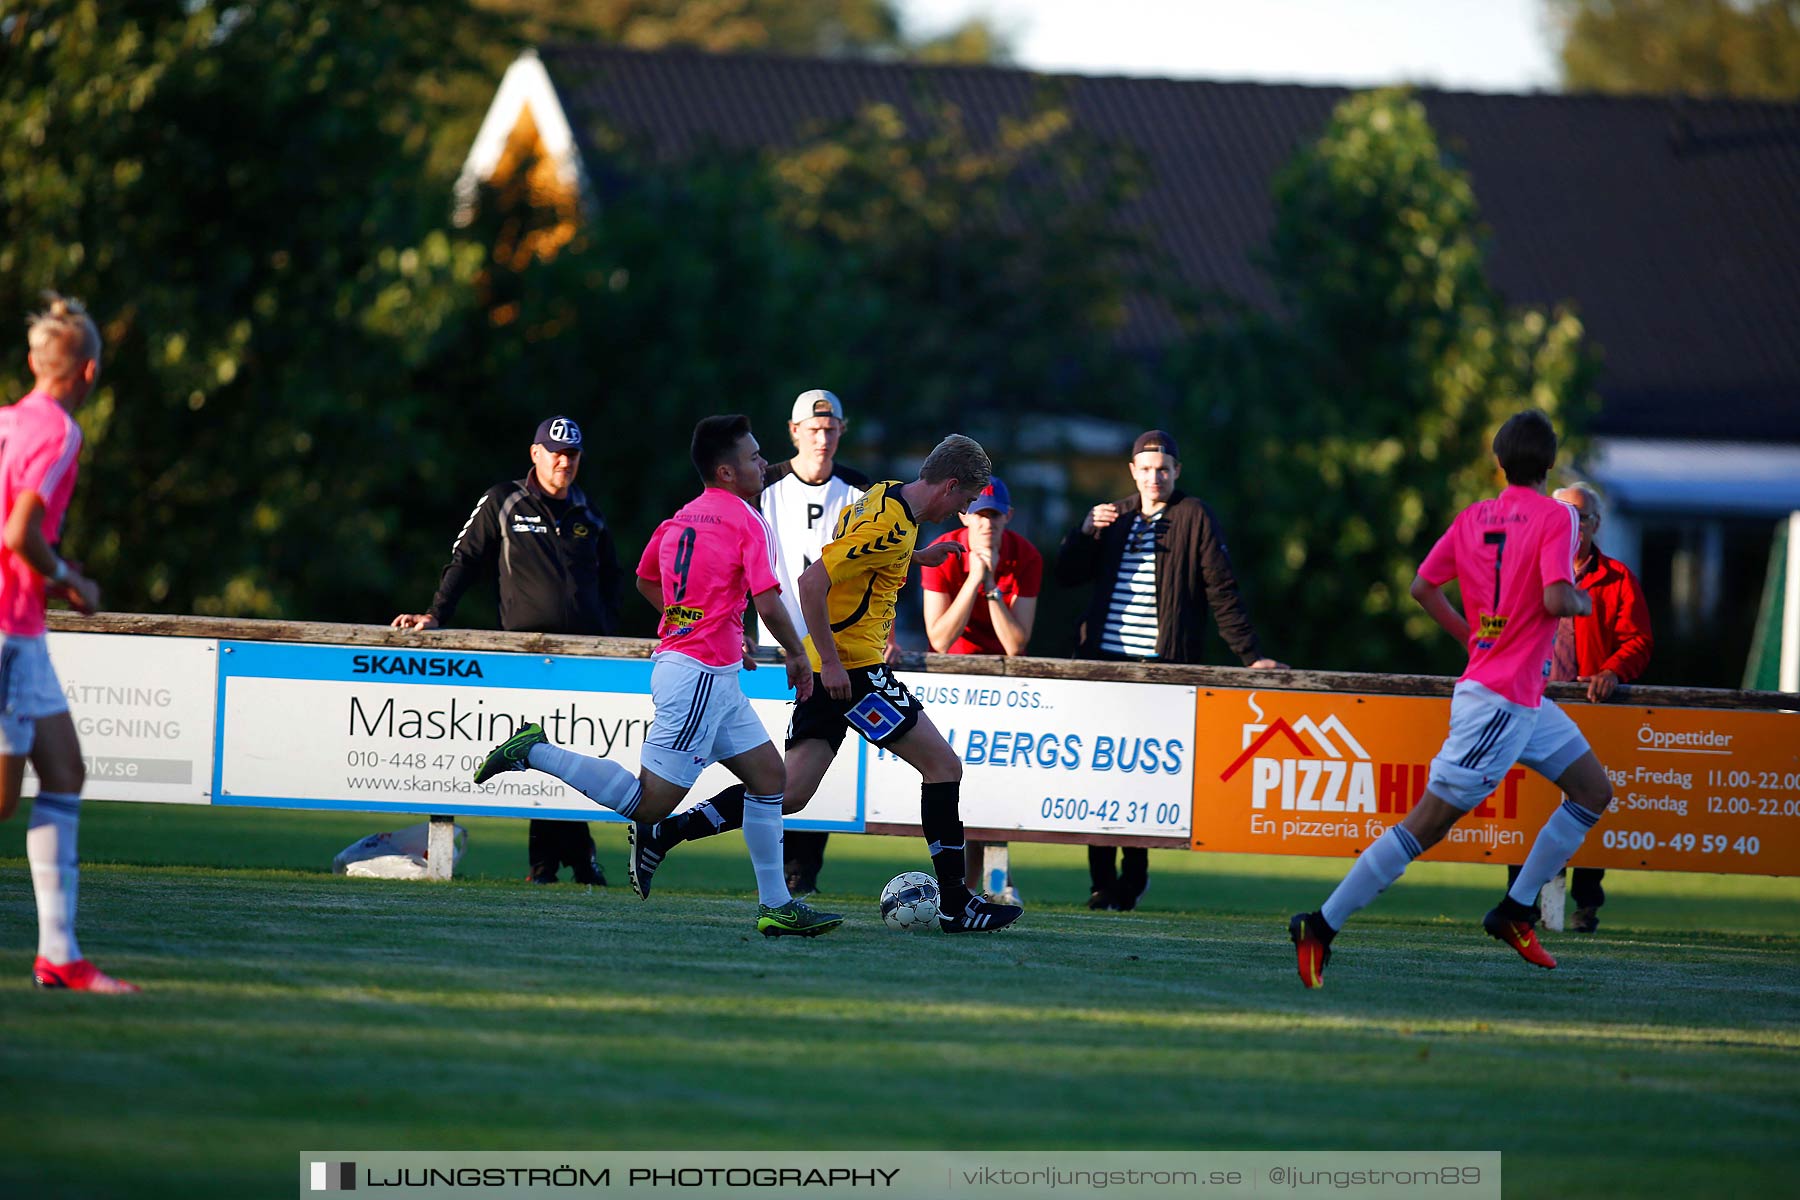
(39, 448)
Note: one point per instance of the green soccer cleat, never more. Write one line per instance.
(797, 918)
(512, 754)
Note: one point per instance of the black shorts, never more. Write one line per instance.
(880, 709)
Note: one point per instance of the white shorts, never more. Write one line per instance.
(1489, 733)
(702, 717)
(29, 691)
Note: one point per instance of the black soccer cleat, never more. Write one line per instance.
(645, 854)
(980, 916)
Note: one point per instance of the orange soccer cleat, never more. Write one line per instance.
(1312, 943)
(1517, 933)
(79, 976)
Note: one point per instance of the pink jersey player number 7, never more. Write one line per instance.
(1504, 552)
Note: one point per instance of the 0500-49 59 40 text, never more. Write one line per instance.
(1681, 843)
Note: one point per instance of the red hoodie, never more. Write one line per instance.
(1616, 637)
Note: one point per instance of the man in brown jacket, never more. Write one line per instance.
(1151, 559)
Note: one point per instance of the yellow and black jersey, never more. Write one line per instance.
(867, 560)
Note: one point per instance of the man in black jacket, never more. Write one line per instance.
(552, 555)
(1151, 558)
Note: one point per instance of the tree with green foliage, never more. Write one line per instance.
(308, 371)
(986, 274)
(1700, 47)
(1341, 435)
(935, 279)
(686, 298)
(239, 193)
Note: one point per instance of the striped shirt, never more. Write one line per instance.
(1131, 616)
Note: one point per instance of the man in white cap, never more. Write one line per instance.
(802, 499)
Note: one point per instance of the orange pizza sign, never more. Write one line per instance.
(1323, 773)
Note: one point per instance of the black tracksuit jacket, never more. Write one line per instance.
(554, 560)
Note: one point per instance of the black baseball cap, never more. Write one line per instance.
(1157, 440)
(559, 435)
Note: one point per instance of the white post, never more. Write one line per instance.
(440, 847)
(1790, 609)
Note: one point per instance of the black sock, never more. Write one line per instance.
(694, 824)
(1512, 910)
(941, 816)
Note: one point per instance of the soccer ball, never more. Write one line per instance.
(910, 901)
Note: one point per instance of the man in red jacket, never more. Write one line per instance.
(1604, 649)
(1612, 646)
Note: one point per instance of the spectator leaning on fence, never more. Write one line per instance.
(1151, 559)
(984, 602)
(1609, 646)
(550, 552)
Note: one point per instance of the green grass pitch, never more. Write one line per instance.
(287, 1009)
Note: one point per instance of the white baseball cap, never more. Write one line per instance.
(816, 403)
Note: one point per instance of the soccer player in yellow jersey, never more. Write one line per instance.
(848, 596)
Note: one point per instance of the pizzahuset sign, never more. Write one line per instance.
(1311, 765)
(1325, 773)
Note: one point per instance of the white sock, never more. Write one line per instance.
(1382, 863)
(50, 849)
(762, 834)
(1556, 843)
(601, 780)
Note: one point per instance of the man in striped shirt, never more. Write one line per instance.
(1151, 559)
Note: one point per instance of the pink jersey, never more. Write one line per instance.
(1504, 552)
(708, 558)
(39, 443)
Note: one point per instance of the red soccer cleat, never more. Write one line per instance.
(1312, 945)
(80, 976)
(1519, 936)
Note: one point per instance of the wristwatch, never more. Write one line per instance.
(993, 594)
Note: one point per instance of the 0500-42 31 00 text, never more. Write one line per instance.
(1080, 810)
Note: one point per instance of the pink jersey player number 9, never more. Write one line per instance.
(708, 558)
